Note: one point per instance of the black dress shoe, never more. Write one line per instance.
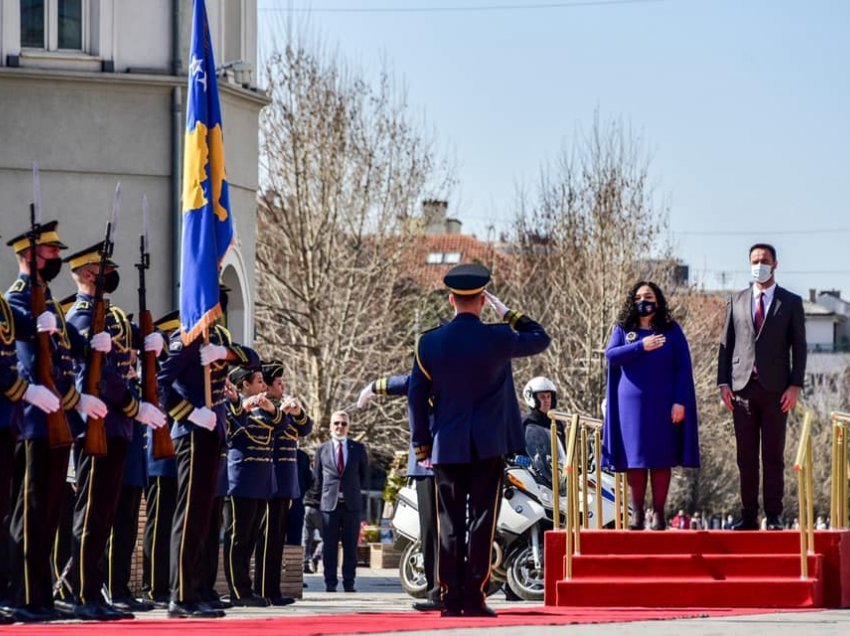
(204, 610)
(483, 611)
(91, 612)
(281, 601)
(450, 613)
(774, 522)
(30, 614)
(218, 603)
(250, 601)
(330, 588)
(638, 521)
(745, 524)
(349, 588)
(6, 617)
(659, 525)
(428, 606)
(64, 608)
(113, 613)
(182, 610)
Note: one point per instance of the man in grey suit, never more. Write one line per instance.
(761, 366)
(341, 470)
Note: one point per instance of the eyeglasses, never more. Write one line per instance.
(339, 423)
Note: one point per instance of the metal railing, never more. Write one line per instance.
(803, 465)
(578, 433)
(838, 509)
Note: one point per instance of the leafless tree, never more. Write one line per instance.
(343, 165)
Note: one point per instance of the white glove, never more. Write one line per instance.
(203, 417)
(210, 353)
(500, 307)
(101, 342)
(46, 323)
(365, 395)
(150, 415)
(154, 342)
(41, 397)
(90, 406)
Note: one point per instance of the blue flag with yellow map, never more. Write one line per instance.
(207, 221)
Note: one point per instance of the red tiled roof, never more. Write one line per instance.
(429, 276)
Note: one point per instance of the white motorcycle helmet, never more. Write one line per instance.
(535, 386)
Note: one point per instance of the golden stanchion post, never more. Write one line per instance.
(834, 491)
(556, 475)
(577, 526)
(597, 454)
(810, 493)
(802, 490)
(618, 518)
(625, 501)
(585, 500)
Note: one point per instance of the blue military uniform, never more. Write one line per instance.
(465, 368)
(160, 501)
(181, 390)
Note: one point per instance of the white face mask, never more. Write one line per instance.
(338, 438)
(762, 273)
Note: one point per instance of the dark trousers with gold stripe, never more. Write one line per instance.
(7, 456)
(38, 492)
(122, 542)
(98, 489)
(268, 556)
(62, 545)
(161, 499)
(210, 552)
(241, 527)
(466, 537)
(426, 503)
(197, 470)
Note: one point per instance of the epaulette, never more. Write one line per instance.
(81, 305)
(18, 286)
(176, 344)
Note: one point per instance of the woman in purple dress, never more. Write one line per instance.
(651, 413)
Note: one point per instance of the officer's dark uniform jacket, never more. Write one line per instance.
(13, 324)
(465, 366)
(68, 345)
(286, 436)
(158, 467)
(135, 464)
(181, 386)
(117, 390)
(250, 454)
(398, 385)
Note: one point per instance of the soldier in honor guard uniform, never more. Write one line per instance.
(291, 423)
(125, 526)
(40, 470)
(465, 367)
(199, 436)
(160, 501)
(250, 473)
(426, 497)
(99, 478)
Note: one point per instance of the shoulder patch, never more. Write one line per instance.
(82, 305)
(18, 286)
(175, 345)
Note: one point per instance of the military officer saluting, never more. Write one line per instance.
(99, 478)
(465, 367)
(290, 422)
(41, 469)
(199, 435)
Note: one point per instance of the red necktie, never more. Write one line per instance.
(759, 317)
(340, 460)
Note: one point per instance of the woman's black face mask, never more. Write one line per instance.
(645, 307)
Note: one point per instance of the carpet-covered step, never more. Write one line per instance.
(677, 592)
(690, 542)
(708, 566)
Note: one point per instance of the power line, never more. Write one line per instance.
(461, 9)
(762, 232)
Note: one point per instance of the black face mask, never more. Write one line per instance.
(645, 307)
(51, 269)
(110, 281)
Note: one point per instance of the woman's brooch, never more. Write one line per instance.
(631, 336)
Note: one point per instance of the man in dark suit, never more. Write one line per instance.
(341, 470)
(465, 366)
(761, 366)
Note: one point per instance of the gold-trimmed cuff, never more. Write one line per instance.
(180, 410)
(513, 317)
(131, 409)
(422, 452)
(235, 408)
(301, 420)
(71, 399)
(278, 416)
(17, 390)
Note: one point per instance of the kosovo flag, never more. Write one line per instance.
(207, 222)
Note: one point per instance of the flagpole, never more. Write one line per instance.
(207, 375)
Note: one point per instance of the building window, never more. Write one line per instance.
(53, 24)
(435, 258)
(451, 257)
(32, 23)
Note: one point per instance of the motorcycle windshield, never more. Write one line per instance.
(538, 446)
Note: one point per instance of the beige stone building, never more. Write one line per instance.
(94, 90)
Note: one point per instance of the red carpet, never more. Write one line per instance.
(371, 623)
(699, 569)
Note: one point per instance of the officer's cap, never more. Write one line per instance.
(467, 279)
(169, 322)
(47, 235)
(271, 370)
(240, 374)
(88, 256)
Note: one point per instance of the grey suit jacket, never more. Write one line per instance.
(352, 481)
(778, 351)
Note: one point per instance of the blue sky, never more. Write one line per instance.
(743, 106)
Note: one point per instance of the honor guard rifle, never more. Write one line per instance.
(163, 447)
(58, 431)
